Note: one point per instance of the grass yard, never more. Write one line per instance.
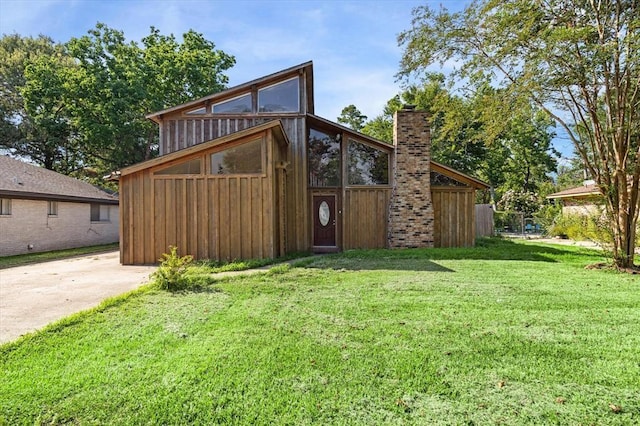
(506, 333)
(25, 259)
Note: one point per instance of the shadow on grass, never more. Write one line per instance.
(425, 259)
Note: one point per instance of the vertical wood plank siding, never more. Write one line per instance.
(365, 221)
(209, 217)
(180, 132)
(454, 216)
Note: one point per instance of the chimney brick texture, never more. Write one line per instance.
(411, 208)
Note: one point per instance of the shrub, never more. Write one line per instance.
(592, 227)
(171, 274)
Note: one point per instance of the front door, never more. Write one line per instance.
(324, 220)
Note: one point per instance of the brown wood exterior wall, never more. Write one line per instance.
(209, 216)
(179, 131)
(365, 220)
(454, 216)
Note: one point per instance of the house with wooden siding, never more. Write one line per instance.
(41, 210)
(252, 172)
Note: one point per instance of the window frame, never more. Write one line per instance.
(338, 138)
(100, 218)
(5, 207)
(296, 111)
(157, 172)
(263, 166)
(52, 208)
(249, 94)
(361, 142)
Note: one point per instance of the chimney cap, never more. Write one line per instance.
(408, 107)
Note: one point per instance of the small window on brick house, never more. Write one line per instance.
(52, 208)
(99, 213)
(5, 207)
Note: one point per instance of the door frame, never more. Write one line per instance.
(335, 193)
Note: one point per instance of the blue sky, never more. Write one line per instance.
(352, 43)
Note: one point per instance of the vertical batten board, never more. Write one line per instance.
(267, 218)
(225, 211)
(170, 214)
(138, 229)
(234, 206)
(160, 217)
(245, 217)
(436, 199)
(256, 215)
(214, 218)
(149, 219)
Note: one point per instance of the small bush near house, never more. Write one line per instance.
(171, 274)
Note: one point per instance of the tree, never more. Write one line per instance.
(352, 117)
(41, 134)
(119, 82)
(578, 60)
(91, 111)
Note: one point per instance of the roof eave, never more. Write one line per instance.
(462, 177)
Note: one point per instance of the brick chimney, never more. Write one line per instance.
(411, 208)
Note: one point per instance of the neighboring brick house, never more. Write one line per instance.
(252, 172)
(41, 210)
(580, 200)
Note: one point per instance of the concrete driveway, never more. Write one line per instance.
(35, 295)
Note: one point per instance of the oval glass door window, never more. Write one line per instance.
(324, 214)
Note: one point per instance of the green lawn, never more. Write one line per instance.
(506, 333)
(25, 259)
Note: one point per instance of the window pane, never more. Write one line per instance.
(324, 159)
(201, 110)
(5, 206)
(95, 212)
(187, 168)
(234, 106)
(281, 97)
(241, 159)
(99, 213)
(367, 165)
(52, 208)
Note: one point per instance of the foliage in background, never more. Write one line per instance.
(511, 150)
(172, 273)
(577, 60)
(79, 108)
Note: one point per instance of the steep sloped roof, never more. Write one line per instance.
(23, 180)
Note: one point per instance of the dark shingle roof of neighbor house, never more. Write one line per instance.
(23, 180)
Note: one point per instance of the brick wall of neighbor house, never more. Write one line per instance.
(411, 208)
(29, 225)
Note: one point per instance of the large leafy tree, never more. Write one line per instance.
(510, 150)
(41, 134)
(578, 60)
(95, 106)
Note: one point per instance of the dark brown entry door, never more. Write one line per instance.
(324, 220)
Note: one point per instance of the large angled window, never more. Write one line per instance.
(237, 105)
(281, 97)
(241, 159)
(187, 168)
(367, 165)
(324, 159)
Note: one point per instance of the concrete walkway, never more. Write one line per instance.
(33, 296)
